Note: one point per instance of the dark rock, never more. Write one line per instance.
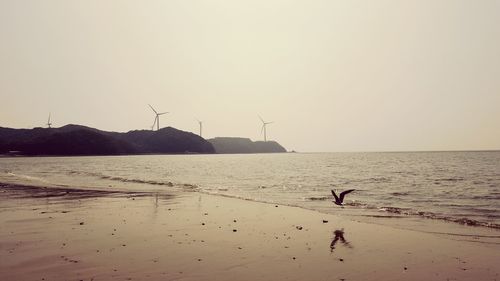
(245, 145)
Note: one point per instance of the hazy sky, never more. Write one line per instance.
(333, 75)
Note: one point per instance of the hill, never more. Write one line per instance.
(245, 145)
(81, 140)
(166, 140)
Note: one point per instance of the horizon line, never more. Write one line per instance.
(400, 151)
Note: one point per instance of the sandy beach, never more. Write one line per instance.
(51, 234)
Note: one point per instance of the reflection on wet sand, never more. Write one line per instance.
(20, 191)
(339, 235)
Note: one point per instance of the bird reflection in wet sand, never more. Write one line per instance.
(339, 235)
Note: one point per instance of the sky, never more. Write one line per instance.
(333, 75)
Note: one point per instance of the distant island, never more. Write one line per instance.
(77, 140)
(245, 145)
(81, 140)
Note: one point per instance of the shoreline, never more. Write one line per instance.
(196, 236)
(387, 192)
(425, 224)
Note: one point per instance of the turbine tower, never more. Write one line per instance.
(157, 119)
(48, 122)
(201, 126)
(264, 125)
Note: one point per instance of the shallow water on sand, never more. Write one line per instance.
(460, 187)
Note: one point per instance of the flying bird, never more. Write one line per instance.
(340, 199)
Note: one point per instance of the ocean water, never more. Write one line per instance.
(455, 187)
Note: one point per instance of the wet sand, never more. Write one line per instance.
(65, 235)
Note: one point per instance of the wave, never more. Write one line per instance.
(322, 198)
(400, 193)
(392, 212)
(121, 179)
(450, 179)
(398, 212)
(431, 215)
(133, 180)
(26, 177)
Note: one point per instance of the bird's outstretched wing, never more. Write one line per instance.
(342, 194)
(335, 195)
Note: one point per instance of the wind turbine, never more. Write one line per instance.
(201, 125)
(48, 121)
(264, 125)
(157, 118)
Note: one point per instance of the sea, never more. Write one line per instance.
(406, 189)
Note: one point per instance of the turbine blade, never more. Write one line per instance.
(162, 113)
(154, 123)
(153, 109)
(262, 130)
(261, 119)
(269, 122)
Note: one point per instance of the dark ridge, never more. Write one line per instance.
(167, 140)
(72, 140)
(245, 145)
